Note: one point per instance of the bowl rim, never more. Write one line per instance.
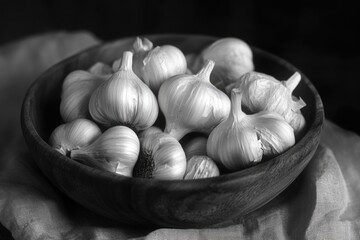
(195, 184)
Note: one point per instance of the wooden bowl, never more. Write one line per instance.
(211, 202)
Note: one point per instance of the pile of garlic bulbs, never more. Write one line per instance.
(112, 115)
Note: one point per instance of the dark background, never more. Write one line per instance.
(320, 39)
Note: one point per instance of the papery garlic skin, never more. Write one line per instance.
(233, 147)
(140, 49)
(124, 100)
(116, 150)
(142, 45)
(275, 134)
(196, 146)
(76, 92)
(161, 156)
(262, 92)
(74, 135)
(101, 69)
(201, 166)
(190, 103)
(242, 140)
(156, 65)
(233, 57)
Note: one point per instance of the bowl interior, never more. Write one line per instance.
(191, 203)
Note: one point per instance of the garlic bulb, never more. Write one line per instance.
(101, 69)
(161, 156)
(196, 146)
(242, 140)
(116, 150)
(232, 56)
(124, 99)
(73, 135)
(155, 65)
(201, 166)
(190, 103)
(76, 91)
(262, 92)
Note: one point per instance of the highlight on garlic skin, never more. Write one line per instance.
(161, 156)
(243, 140)
(262, 92)
(201, 166)
(116, 150)
(73, 135)
(190, 103)
(233, 57)
(155, 65)
(76, 92)
(124, 99)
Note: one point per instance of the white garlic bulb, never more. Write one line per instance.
(262, 92)
(74, 135)
(196, 146)
(161, 156)
(124, 99)
(242, 140)
(155, 65)
(116, 150)
(201, 166)
(233, 57)
(190, 103)
(76, 91)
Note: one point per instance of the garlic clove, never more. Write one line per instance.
(297, 122)
(142, 45)
(201, 166)
(124, 100)
(275, 134)
(76, 91)
(161, 156)
(234, 148)
(116, 150)
(116, 65)
(262, 92)
(242, 140)
(263, 80)
(190, 103)
(156, 65)
(73, 135)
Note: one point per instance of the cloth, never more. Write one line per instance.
(322, 203)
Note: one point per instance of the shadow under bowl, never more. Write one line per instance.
(211, 202)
